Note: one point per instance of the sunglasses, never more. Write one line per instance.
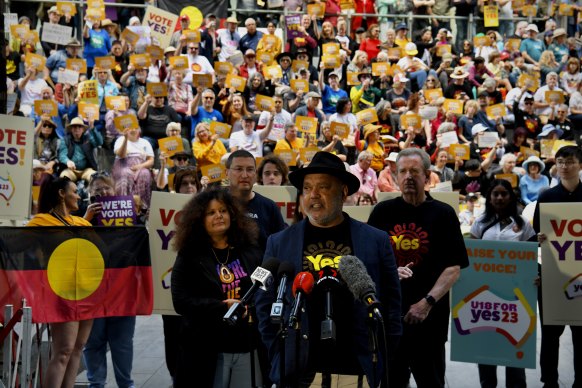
(181, 158)
(193, 48)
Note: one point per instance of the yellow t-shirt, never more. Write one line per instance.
(377, 150)
(283, 144)
(45, 219)
(207, 154)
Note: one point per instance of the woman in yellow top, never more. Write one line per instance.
(270, 43)
(58, 198)
(207, 149)
(372, 144)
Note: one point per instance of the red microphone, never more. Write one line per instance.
(302, 286)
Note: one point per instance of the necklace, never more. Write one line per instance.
(224, 273)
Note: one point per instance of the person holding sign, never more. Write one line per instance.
(543, 107)
(270, 43)
(180, 95)
(30, 88)
(204, 113)
(531, 47)
(154, 116)
(331, 92)
(48, 96)
(97, 42)
(502, 222)
(248, 139)
(373, 145)
(134, 157)
(344, 114)
(57, 61)
(329, 143)
(77, 150)
(46, 144)
(208, 149)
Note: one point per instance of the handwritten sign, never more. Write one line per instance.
(56, 33)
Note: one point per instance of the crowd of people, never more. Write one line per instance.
(494, 117)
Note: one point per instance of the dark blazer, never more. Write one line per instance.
(372, 246)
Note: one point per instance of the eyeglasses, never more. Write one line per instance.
(193, 48)
(181, 158)
(248, 170)
(48, 126)
(565, 163)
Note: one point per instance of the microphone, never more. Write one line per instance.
(286, 270)
(262, 278)
(360, 283)
(302, 285)
(328, 279)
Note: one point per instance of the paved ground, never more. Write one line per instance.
(149, 368)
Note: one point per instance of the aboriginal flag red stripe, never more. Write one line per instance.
(119, 285)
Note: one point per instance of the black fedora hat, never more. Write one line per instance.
(326, 163)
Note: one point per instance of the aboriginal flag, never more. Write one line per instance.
(71, 274)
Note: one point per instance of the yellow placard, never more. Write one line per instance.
(561, 143)
(511, 178)
(105, 63)
(380, 69)
(331, 48)
(192, 36)
(220, 129)
(46, 107)
(171, 145)
(66, 8)
(156, 53)
(317, 9)
(297, 65)
(513, 44)
(288, 156)
(526, 152)
(491, 14)
(19, 30)
(88, 111)
(126, 122)
(347, 5)
(555, 96)
(77, 64)
(264, 103)
(306, 154)
(130, 37)
(455, 106)
(395, 70)
(331, 61)
(306, 124)
(495, 111)
(460, 150)
(157, 89)
(480, 41)
(95, 4)
(443, 49)
(531, 82)
(223, 68)
(340, 129)
(95, 14)
(565, 10)
(272, 72)
(367, 116)
(31, 36)
(87, 91)
(234, 81)
(546, 148)
(411, 120)
(433, 94)
(265, 57)
(140, 61)
(35, 193)
(179, 62)
(299, 84)
(115, 103)
(35, 61)
(394, 52)
(516, 5)
(202, 80)
(529, 10)
(214, 172)
(352, 78)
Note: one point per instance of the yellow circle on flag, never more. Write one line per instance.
(75, 269)
(195, 16)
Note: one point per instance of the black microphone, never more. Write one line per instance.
(262, 278)
(328, 279)
(303, 284)
(286, 270)
(359, 282)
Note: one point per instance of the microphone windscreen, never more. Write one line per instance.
(303, 282)
(354, 273)
(286, 268)
(271, 265)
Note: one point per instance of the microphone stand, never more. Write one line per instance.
(283, 334)
(375, 323)
(252, 352)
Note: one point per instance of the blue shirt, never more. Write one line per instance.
(250, 42)
(55, 62)
(330, 97)
(97, 45)
(559, 51)
(202, 116)
(530, 188)
(533, 48)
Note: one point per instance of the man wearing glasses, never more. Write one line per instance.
(197, 64)
(205, 113)
(154, 116)
(559, 119)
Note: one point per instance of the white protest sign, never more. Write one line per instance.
(55, 33)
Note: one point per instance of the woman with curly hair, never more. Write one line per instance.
(217, 252)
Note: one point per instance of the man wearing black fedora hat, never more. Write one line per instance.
(321, 240)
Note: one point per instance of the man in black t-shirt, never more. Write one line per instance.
(430, 252)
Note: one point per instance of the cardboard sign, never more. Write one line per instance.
(115, 103)
(529, 10)
(394, 52)
(171, 145)
(306, 124)
(140, 61)
(460, 150)
(234, 81)
(130, 37)
(293, 23)
(192, 36)
(157, 89)
(526, 152)
(331, 61)
(273, 72)
(125, 123)
(455, 106)
(95, 4)
(448, 138)
(87, 91)
(516, 5)
(306, 154)
(555, 96)
(352, 78)
(513, 44)
(491, 14)
(288, 156)
(156, 53)
(117, 211)
(88, 111)
(67, 76)
(265, 57)
(77, 64)
(347, 5)
(223, 68)
(35, 61)
(433, 94)
(46, 107)
(161, 23)
(10, 19)
(31, 36)
(340, 129)
(56, 33)
(380, 69)
(214, 172)
(495, 111)
(66, 8)
(410, 120)
(331, 48)
(488, 139)
(297, 65)
(395, 70)
(561, 143)
(531, 82)
(264, 103)
(220, 129)
(236, 59)
(511, 178)
(367, 116)
(299, 84)
(202, 80)
(95, 14)
(443, 49)
(546, 148)
(19, 30)
(565, 10)
(179, 63)
(105, 63)
(480, 41)
(317, 9)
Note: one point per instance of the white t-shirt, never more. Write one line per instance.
(251, 143)
(509, 233)
(197, 65)
(141, 147)
(31, 91)
(540, 96)
(278, 129)
(348, 118)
